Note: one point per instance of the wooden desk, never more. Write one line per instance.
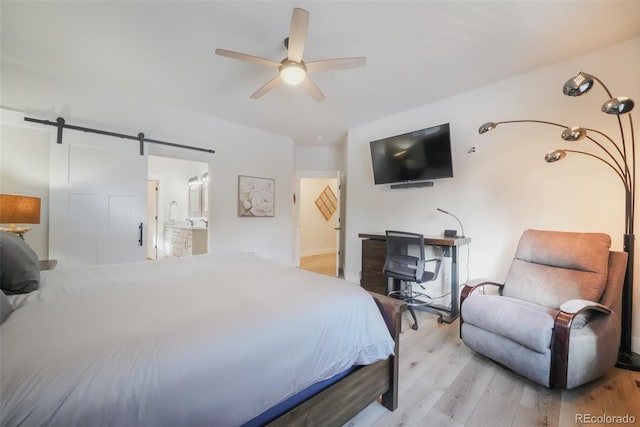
(374, 253)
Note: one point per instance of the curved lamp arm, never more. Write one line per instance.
(555, 155)
(633, 165)
(578, 133)
(624, 148)
(625, 170)
(583, 134)
(492, 125)
(580, 85)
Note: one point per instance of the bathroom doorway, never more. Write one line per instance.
(182, 213)
(152, 219)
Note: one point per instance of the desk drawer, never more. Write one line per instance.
(374, 253)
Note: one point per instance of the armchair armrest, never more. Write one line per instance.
(474, 284)
(577, 306)
(569, 311)
(576, 313)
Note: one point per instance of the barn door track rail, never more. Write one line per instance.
(61, 124)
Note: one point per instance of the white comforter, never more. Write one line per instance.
(205, 340)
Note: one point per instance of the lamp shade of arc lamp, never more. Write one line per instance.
(618, 154)
(17, 209)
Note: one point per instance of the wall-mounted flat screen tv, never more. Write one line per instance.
(420, 155)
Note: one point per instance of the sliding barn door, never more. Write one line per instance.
(97, 200)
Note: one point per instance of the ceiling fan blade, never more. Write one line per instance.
(336, 64)
(247, 58)
(312, 89)
(298, 34)
(267, 87)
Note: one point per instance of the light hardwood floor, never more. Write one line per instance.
(443, 383)
(323, 264)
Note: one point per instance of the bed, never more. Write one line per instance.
(203, 340)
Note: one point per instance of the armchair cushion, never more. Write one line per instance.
(550, 268)
(527, 324)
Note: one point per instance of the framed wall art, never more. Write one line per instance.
(256, 196)
(327, 203)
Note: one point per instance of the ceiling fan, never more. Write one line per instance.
(293, 70)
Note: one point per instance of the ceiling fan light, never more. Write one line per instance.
(293, 73)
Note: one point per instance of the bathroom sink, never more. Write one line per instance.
(188, 226)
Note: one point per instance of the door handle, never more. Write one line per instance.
(338, 228)
(140, 239)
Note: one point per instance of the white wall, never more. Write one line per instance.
(240, 150)
(317, 234)
(320, 158)
(24, 169)
(506, 186)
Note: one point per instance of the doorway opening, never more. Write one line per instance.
(182, 207)
(319, 225)
(152, 219)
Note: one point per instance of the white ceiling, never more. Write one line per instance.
(417, 52)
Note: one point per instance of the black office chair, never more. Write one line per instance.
(408, 268)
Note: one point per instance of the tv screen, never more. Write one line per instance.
(414, 156)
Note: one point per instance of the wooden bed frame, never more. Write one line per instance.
(343, 400)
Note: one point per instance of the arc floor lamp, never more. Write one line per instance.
(620, 156)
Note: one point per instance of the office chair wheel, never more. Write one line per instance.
(440, 319)
(414, 327)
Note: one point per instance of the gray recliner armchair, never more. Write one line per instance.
(555, 319)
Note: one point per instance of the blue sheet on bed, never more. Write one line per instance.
(290, 403)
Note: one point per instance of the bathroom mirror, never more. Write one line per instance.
(205, 194)
(195, 197)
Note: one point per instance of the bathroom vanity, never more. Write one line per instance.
(184, 240)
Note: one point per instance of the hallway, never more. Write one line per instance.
(323, 264)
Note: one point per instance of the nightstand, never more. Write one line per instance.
(48, 264)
